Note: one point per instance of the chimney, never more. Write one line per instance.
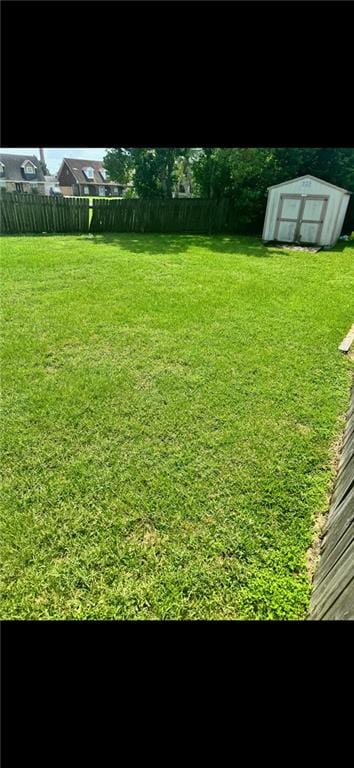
(41, 155)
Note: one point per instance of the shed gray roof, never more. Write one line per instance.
(12, 165)
(314, 178)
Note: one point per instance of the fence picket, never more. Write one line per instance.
(37, 213)
(22, 213)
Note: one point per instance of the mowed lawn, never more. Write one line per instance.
(170, 408)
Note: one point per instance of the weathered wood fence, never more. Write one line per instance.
(192, 215)
(21, 213)
(333, 587)
(36, 213)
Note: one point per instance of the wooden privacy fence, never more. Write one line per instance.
(333, 587)
(192, 215)
(39, 213)
(21, 213)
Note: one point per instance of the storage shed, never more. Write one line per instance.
(305, 210)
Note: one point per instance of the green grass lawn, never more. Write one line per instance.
(170, 404)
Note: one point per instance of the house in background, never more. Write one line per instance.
(21, 173)
(183, 188)
(51, 185)
(87, 177)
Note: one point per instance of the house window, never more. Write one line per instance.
(86, 191)
(88, 172)
(30, 169)
(182, 188)
(2, 169)
(101, 191)
(104, 174)
(115, 190)
(19, 187)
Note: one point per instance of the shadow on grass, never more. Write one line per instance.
(160, 244)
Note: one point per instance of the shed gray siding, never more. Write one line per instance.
(306, 187)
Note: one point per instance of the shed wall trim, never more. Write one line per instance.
(314, 178)
(330, 218)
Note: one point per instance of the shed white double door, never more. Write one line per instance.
(300, 218)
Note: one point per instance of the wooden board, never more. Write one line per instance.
(344, 484)
(344, 508)
(338, 523)
(343, 608)
(335, 553)
(333, 587)
(347, 342)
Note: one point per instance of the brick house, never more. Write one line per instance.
(21, 173)
(87, 177)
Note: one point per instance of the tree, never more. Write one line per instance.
(119, 164)
(184, 167)
(152, 170)
(212, 173)
(241, 174)
(44, 168)
(326, 163)
(244, 174)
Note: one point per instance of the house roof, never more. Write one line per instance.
(308, 176)
(77, 166)
(13, 163)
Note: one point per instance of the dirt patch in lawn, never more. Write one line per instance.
(302, 248)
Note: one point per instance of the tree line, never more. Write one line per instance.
(242, 174)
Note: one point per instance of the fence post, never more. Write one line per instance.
(27, 213)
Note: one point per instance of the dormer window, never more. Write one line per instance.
(104, 174)
(88, 173)
(28, 168)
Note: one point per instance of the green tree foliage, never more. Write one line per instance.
(153, 171)
(184, 167)
(212, 173)
(130, 193)
(244, 174)
(330, 164)
(240, 173)
(119, 164)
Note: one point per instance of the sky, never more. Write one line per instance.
(54, 156)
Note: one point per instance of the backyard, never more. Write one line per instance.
(171, 407)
